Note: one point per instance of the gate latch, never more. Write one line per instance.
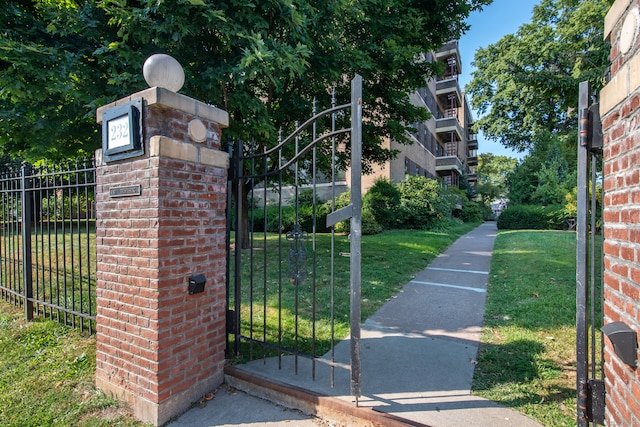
(232, 325)
(340, 215)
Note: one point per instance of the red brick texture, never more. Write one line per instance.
(154, 340)
(621, 127)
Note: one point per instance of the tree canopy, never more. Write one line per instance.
(493, 169)
(526, 85)
(492, 175)
(262, 61)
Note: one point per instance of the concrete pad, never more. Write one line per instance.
(232, 407)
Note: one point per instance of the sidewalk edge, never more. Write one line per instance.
(312, 403)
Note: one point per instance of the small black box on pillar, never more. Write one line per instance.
(196, 284)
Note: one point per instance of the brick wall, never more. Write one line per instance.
(158, 347)
(620, 112)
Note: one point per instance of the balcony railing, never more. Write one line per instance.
(448, 50)
(448, 163)
(450, 86)
(472, 157)
(449, 124)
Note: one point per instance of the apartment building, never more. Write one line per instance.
(444, 146)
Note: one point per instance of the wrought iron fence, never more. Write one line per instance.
(47, 242)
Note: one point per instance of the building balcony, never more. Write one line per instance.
(450, 49)
(472, 157)
(472, 141)
(445, 88)
(449, 125)
(449, 163)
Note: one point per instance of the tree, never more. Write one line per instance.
(50, 80)
(526, 84)
(492, 176)
(494, 169)
(547, 174)
(263, 62)
(553, 179)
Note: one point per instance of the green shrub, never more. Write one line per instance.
(54, 207)
(369, 223)
(423, 205)
(273, 223)
(531, 217)
(487, 212)
(522, 217)
(413, 215)
(305, 214)
(471, 211)
(383, 200)
(305, 218)
(468, 211)
(305, 197)
(557, 216)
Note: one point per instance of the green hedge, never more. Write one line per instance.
(415, 203)
(531, 217)
(305, 218)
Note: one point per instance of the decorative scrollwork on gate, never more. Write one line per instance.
(297, 254)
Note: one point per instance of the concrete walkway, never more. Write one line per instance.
(418, 356)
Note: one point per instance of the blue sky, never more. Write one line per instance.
(487, 27)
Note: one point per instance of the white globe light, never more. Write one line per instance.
(163, 71)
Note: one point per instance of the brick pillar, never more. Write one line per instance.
(160, 348)
(620, 113)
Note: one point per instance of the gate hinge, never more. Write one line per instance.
(232, 171)
(595, 399)
(594, 132)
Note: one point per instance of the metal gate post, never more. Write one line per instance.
(356, 231)
(237, 175)
(581, 255)
(26, 216)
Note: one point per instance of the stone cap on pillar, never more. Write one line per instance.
(165, 98)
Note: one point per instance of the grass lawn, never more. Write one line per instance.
(47, 374)
(527, 357)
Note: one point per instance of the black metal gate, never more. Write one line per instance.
(589, 317)
(292, 279)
